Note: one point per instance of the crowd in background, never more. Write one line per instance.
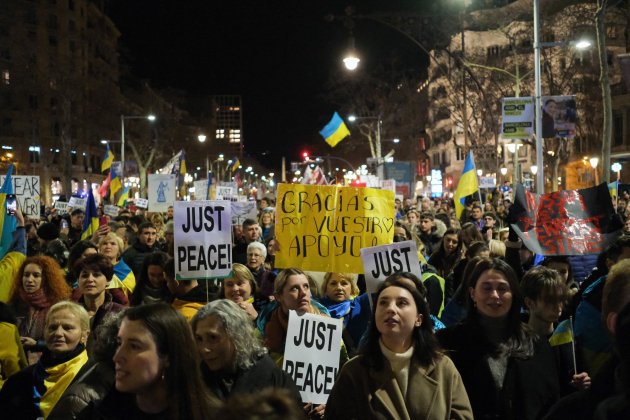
(99, 327)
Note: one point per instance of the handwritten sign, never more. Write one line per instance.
(111, 210)
(323, 228)
(203, 239)
(161, 192)
(242, 211)
(382, 261)
(225, 193)
(142, 203)
(201, 189)
(27, 191)
(572, 222)
(77, 203)
(311, 354)
(61, 207)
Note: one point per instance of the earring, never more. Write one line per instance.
(164, 375)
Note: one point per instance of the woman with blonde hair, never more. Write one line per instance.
(240, 288)
(112, 246)
(341, 298)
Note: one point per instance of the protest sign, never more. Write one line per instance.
(311, 354)
(323, 228)
(142, 203)
(380, 262)
(61, 207)
(110, 210)
(225, 193)
(27, 192)
(559, 115)
(77, 203)
(575, 222)
(242, 211)
(203, 239)
(518, 117)
(161, 192)
(488, 182)
(201, 190)
(388, 184)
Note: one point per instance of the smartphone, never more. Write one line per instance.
(102, 221)
(11, 204)
(64, 224)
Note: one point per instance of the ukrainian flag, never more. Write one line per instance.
(90, 224)
(467, 185)
(334, 131)
(236, 165)
(123, 197)
(107, 160)
(563, 334)
(115, 184)
(613, 189)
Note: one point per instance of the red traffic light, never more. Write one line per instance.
(305, 155)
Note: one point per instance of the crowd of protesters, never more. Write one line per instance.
(99, 327)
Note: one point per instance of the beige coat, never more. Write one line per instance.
(435, 392)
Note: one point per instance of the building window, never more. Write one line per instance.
(493, 51)
(55, 153)
(70, 4)
(72, 26)
(52, 23)
(52, 41)
(220, 133)
(55, 130)
(6, 77)
(617, 129)
(32, 101)
(459, 152)
(32, 36)
(611, 31)
(53, 104)
(34, 154)
(235, 136)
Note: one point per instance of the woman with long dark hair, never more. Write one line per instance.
(157, 369)
(507, 369)
(151, 286)
(448, 254)
(400, 372)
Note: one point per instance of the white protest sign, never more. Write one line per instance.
(161, 192)
(77, 203)
(111, 210)
(242, 211)
(27, 192)
(380, 262)
(311, 354)
(61, 207)
(203, 239)
(487, 182)
(142, 203)
(224, 193)
(201, 189)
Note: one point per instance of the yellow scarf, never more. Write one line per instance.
(58, 379)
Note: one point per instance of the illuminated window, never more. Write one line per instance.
(220, 133)
(6, 77)
(33, 154)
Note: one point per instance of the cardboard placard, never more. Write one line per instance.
(380, 262)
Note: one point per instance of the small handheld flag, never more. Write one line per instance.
(335, 130)
(467, 185)
(90, 223)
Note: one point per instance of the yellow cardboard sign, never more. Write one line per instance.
(323, 228)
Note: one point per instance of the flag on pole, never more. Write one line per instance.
(104, 188)
(107, 159)
(613, 189)
(236, 165)
(335, 130)
(209, 185)
(115, 183)
(314, 176)
(8, 223)
(122, 201)
(563, 334)
(467, 184)
(90, 223)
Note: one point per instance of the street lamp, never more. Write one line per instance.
(534, 169)
(594, 161)
(149, 117)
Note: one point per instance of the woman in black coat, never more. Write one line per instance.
(507, 370)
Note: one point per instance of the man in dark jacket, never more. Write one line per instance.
(143, 246)
(251, 233)
(428, 232)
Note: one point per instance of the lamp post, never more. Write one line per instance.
(149, 117)
(202, 139)
(503, 172)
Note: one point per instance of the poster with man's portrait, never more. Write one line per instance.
(559, 115)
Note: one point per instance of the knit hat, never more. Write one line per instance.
(48, 231)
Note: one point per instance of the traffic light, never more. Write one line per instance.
(305, 155)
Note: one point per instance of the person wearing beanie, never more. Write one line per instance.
(51, 245)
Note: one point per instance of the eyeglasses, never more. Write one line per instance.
(254, 255)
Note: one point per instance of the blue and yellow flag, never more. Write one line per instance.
(335, 130)
(467, 184)
(107, 160)
(563, 334)
(115, 183)
(613, 189)
(8, 223)
(123, 197)
(90, 223)
(236, 165)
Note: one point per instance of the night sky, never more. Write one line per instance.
(278, 54)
